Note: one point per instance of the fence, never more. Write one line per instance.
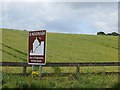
(61, 64)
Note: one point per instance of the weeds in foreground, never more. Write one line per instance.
(68, 81)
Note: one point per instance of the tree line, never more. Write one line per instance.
(112, 34)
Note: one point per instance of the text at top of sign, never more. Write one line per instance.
(36, 33)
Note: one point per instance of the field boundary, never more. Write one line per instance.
(60, 64)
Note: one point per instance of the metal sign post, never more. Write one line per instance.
(32, 69)
(40, 71)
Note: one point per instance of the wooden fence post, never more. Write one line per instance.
(24, 70)
(77, 69)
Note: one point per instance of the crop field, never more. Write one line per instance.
(61, 48)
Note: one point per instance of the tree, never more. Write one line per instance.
(101, 33)
(115, 34)
(109, 33)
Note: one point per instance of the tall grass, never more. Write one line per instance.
(68, 81)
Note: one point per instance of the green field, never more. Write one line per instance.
(61, 48)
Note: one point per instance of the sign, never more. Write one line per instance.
(37, 47)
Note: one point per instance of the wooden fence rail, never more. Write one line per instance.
(61, 64)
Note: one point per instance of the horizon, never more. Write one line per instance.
(58, 32)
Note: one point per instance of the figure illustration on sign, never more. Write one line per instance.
(38, 47)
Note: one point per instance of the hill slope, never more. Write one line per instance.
(61, 47)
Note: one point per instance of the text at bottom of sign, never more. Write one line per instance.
(36, 60)
(36, 57)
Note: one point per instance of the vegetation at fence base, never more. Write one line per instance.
(35, 74)
(68, 81)
(61, 47)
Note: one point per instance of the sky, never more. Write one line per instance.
(62, 17)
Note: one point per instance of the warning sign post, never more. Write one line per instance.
(37, 47)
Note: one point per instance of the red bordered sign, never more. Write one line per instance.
(37, 47)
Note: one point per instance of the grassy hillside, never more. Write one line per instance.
(61, 47)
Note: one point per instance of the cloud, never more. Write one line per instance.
(70, 17)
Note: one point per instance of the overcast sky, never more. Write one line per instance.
(65, 17)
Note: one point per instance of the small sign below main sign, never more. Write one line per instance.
(37, 47)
